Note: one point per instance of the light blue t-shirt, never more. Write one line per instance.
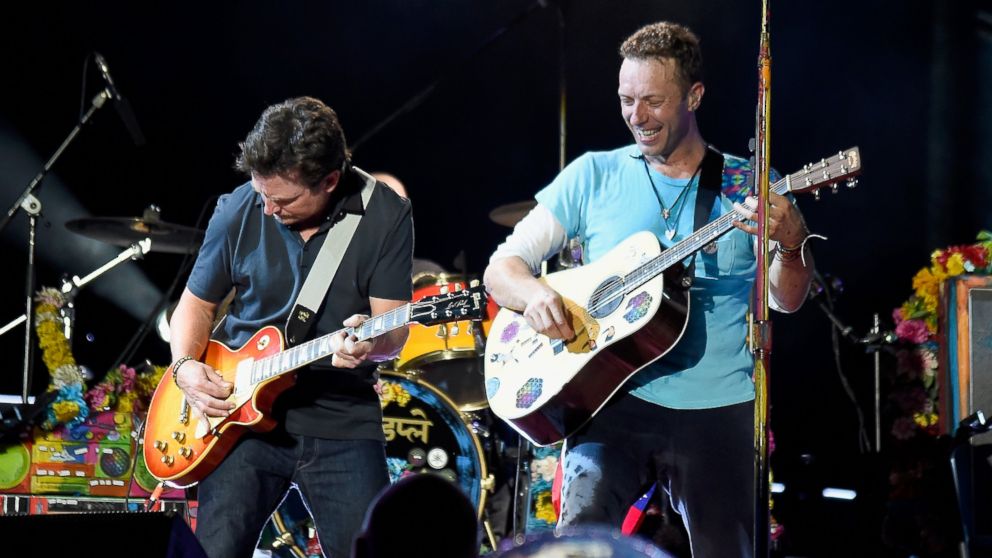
(603, 198)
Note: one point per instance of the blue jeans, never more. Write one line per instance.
(337, 478)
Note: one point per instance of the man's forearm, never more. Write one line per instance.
(510, 283)
(789, 280)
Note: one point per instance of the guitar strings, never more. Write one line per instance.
(683, 249)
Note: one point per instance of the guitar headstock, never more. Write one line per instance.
(831, 171)
(464, 304)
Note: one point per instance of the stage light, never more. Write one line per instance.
(839, 494)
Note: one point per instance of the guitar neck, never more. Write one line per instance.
(694, 242)
(321, 347)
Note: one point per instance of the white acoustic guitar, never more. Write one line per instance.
(628, 309)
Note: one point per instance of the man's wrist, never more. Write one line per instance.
(175, 368)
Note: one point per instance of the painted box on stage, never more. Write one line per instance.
(95, 458)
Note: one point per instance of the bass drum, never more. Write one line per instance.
(449, 355)
(425, 433)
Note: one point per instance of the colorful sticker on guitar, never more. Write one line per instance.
(609, 333)
(492, 386)
(638, 306)
(529, 392)
(509, 332)
(557, 345)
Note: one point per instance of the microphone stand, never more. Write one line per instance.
(874, 343)
(761, 332)
(32, 206)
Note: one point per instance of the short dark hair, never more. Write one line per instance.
(300, 136)
(667, 40)
(445, 522)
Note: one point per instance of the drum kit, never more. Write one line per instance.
(435, 412)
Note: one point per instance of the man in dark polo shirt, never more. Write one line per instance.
(261, 241)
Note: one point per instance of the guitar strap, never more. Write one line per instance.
(710, 186)
(325, 267)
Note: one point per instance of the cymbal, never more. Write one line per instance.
(125, 231)
(510, 214)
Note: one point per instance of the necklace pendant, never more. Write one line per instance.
(665, 213)
(670, 233)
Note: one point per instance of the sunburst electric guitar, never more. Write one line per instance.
(180, 448)
(628, 308)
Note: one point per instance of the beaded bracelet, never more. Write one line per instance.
(175, 368)
(786, 254)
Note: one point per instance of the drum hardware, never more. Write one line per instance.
(122, 231)
(447, 356)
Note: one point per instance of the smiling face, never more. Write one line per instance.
(656, 106)
(291, 202)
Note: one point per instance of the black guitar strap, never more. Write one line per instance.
(710, 186)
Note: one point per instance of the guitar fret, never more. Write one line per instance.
(690, 244)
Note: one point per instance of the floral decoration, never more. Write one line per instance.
(914, 392)
(122, 390)
(919, 519)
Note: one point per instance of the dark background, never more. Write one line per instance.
(909, 83)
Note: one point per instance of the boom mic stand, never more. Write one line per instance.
(822, 291)
(32, 206)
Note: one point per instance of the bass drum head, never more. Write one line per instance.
(425, 433)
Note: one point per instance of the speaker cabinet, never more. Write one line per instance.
(966, 351)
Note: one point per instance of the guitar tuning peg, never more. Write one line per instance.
(473, 283)
(833, 187)
(442, 331)
(852, 182)
(454, 329)
(816, 195)
(443, 289)
(458, 287)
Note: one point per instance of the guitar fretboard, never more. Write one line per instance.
(316, 349)
(688, 246)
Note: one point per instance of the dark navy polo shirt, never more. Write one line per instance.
(266, 263)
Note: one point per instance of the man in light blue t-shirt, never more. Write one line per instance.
(684, 421)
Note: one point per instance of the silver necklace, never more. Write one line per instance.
(666, 212)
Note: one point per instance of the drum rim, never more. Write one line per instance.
(414, 369)
(439, 279)
(483, 468)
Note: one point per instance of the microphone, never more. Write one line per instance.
(120, 103)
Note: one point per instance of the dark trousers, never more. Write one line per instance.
(702, 458)
(337, 478)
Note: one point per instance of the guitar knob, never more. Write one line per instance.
(161, 446)
(179, 437)
(185, 452)
(168, 459)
